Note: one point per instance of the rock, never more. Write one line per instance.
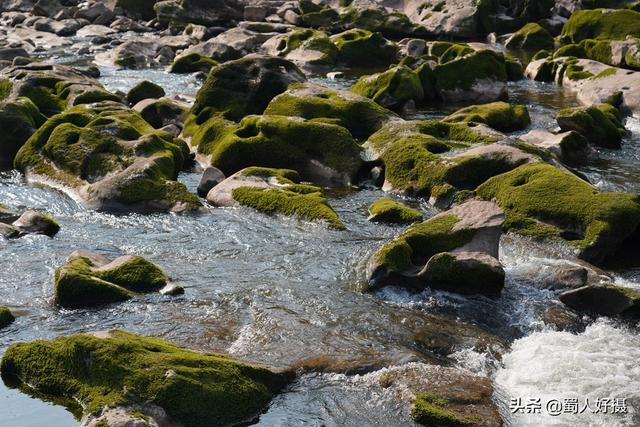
(32, 222)
(618, 53)
(144, 90)
(602, 24)
(322, 152)
(210, 178)
(255, 13)
(9, 53)
(367, 15)
(531, 37)
(545, 202)
(96, 12)
(8, 231)
(47, 7)
(20, 118)
(275, 191)
(66, 27)
(501, 116)
(192, 63)
(604, 300)
(563, 319)
(163, 112)
(570, 147)
(122, 24)
(392, 88)
(475, 77)
(89, 281)
(390, 211)
(126, 369)
(172, 290)
(464, 238)
(245, 86)
(135, 54)
(600, 124)
(6, 317)
(95, 31)
(214, 49)
(360, 115)
(307, 48)
(358, 48)
(138, 9)
(292, 17)
(179, 13)
(109, 158)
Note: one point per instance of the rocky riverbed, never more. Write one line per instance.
(231, 212)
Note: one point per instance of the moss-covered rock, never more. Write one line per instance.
(275, 191)
(475, 77)
(210, 13)
(501, 116)
(430, 410)
(392, 88)
(605, 300)
(110, 158)
(245, 86)
(570, 147)
(119, 369)
(144, 90)
(362, 48)
(322, 152)
(600, 124)
(542, 201)
(389, 22)
(89, 280)
(304, 47)
(32, 222)
(601, 24)
(6, 317)
(317, 16)
(531, 37)
(193, 63)
(360, 115)
(390, 211)
(19, 119)
(473, 227)
(162, 112)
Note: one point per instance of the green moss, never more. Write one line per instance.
(19, 119)
(192, 63)
(501, 116)
(601, 24)
(576, 72)
(541, 54)
(144, 90)
(542, 201)
(391, 88)
(388, 210)
(361, 116)
(532, 37)
(6, 317)
(126, 369)
(317, 16)
(422, 241)
(429, 410)
(600, 124)
(455, 51)
(606, 73)
(5, 88)
(136, 274)
(362, 48)
(463, 72)
(277, 142)
(224, 92)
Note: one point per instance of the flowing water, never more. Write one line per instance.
(278, 291)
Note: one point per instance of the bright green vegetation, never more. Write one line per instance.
(303, 201)
(600, 24)
(85, 145)
(430, 410)
(276, 142)
(422, 241)
(6, 317)
(388, 210)
(80, 283)
(193, 63)
(144, 90)
(5, 88)
(122, 369)
(389, 23)
(542, 201)
(391, 88)
(461, 73)
(362, 48)
(542, 54)
(501, 116)
(531, 36)
(359, 115)
(243, 87)
(19, 119)
(600, 124)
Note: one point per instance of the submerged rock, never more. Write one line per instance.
(605, 300)
(109, 158)
(449, 251)
(603, 24)
(390, 211)
(117, 370)
(32, 222)
(274, 191)
(89, 280)
(6, 317)
(543, 201)
(501, 116)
